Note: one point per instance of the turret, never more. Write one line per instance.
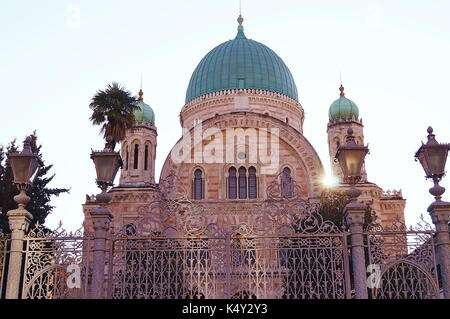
(139, 148)
(343, 114)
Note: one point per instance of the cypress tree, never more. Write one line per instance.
(40, 204)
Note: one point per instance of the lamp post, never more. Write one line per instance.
(351, 158)
(433, 157)
(25, 167)
(107, 163)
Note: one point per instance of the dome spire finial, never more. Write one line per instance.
(141, 93)
(341, 88)
(240, 34)
(240, 20)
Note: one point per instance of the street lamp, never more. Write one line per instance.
(351, 158)
(107, 163)
(433, 157)
(25, 166)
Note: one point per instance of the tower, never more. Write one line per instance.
(138, 149)
(343, 114)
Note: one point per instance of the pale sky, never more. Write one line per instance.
(393, 56)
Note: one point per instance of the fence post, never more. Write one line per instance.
(354, 217)
(19, 221)
(439, 212)
(101, 220)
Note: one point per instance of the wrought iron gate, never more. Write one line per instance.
(57, 264)
(293, 266)
(405, 260)
(285, 251)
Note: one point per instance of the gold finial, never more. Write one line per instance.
(342, 91)
(141, 93)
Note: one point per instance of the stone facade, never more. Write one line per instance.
(388, 205)
(226, 131)
(242, 129)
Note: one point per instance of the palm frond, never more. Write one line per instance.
(113, 109)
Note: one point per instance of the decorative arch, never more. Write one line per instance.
(147, 156)
(405, 279)
(305, 152)
(48, 283)
(232, 182)
(198, 183)
(135, 149)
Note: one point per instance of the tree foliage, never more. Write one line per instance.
(332, 204)
(39, 205)
(113, 109)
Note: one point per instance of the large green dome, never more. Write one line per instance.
(343, 108)
(241, 63)
(145, 112)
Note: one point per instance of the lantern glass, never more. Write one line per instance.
(107, 165)
(436, 158)
(351, 160)
(354, 159)
(24, 167)
(420, 155)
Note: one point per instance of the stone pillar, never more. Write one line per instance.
(101, 220)
(19, 221)
(354, 217)
(439, 212)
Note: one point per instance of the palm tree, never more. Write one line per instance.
(113, 109)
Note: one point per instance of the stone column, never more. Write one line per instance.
(354, 216)
(439, 212)
(19, 221)
(101, 220)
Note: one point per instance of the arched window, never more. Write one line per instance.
(126, 159)
(286, 183)
(252, 187)
(146, 157)
(136, 156)
(198, 184)
(242, 183)
(232, 183)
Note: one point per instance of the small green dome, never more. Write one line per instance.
(343, 108)
(241, 63)
(145, 112)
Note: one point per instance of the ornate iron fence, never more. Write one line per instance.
(178, 249)
(405, 261)
(56, 264)
(295, 267)
(173, 251)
